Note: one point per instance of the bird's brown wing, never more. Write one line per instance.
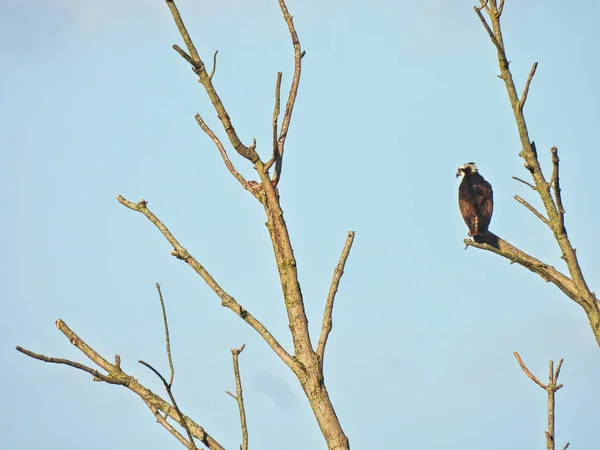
(483, 202)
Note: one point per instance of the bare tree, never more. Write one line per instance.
(306, 359)
(548, 188)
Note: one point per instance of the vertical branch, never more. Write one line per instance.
(327, 316)
(276, 112)
(289, 107)
(551, 389)
(167, 340)
(235, 352)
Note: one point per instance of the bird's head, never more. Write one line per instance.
(466, 168)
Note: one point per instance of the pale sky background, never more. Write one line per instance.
(395, 95)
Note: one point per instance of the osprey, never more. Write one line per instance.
(475, 201)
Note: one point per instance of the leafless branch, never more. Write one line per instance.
(160, 419)
(235, 352)
(210, 77)
(501, 8)
(533, 210)
(546, 271)
(526, 90)
(289, 107)
(184, 33)
(557, 193)
(115, 375)
(206, 81)
(551, 389)
(226, 299)
(276, 112)
(49, 359)
(525, 182)
(554, 211)
(528, 373)
(223, 153)
(488, 29)
(167, 340)
(335, 282)
(174, 403)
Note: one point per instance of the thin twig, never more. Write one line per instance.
(223, 153)
(49, 359)
(551, 389)
(289, 107)
(117, 376)
(488, 29)
(533, 210)
(526, 89)
(210, 77)
(527, 183)
(276, 112)
(167, 340)
(160, 419)
(557, 193)
(184, 33)
(185, 56)
(226, 299)
(528, 373)
(205, 79)
(501, 8)
(174, 403)
(327, 315)
(235, 352)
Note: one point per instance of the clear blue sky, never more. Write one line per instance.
(394, 97)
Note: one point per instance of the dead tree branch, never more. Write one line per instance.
(167, 340)
(235, 353)
(172, 397)
(327, 316)
(577, 289)
(226, 300)
(115, 375)
(551, 389)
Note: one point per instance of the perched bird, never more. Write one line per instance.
(475, 201)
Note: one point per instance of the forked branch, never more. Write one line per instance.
(206, 80)
(235, 353)
(291, 101)
(551, 389)
(116, 375)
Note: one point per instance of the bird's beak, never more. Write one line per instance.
(458, 174)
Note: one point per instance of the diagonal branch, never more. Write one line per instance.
(533, 210)
(557, 194)
(546, 271)
(49, 359)
(289, 107)
(223, 153)
(226, 299)
(160, 419)
(235, 352)
(526, 90)
(118, 376)
(327, 316)
(167, 340)
(206, 80)
(276, 112)
(172, 397)
(526, 183)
